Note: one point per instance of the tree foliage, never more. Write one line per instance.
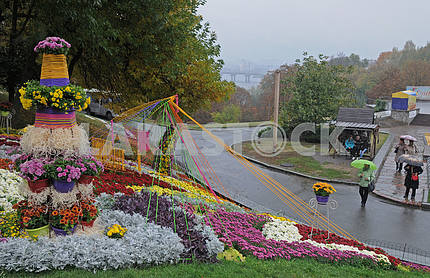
(241, 99)
(229, 114)
(352, 60)
(318, 89)
(389, 80)
(137, 50)
(396, 69)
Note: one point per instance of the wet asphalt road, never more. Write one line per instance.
(379, 220)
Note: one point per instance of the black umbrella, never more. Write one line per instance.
(410, 159)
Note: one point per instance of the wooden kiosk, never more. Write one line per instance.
(358, 121)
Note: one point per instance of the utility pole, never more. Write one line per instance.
(276, 108)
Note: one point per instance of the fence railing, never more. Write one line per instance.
(428, 180)
(403, 251)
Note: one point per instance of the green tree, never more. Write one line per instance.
(16, 56)
(389, 80)
(138, 49)
(380, 105)
(352, 60)
(161, 48)
(230, 114)
(318, 89)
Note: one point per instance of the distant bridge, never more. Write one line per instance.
(247, 75)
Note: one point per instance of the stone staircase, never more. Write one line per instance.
(421, 120)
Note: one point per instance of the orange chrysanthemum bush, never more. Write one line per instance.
(89, 210)
(31, 216)
(66, 219)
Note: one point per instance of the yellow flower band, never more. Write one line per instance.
(65, 98)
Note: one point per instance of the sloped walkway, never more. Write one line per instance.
(390, 183)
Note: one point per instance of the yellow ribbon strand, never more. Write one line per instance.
(54, 66)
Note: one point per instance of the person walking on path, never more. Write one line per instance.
(366, 176)
(412, 180)
(399, 150)
(411, 148)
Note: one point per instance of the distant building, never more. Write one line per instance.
(423, 92)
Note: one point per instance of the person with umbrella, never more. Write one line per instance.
(413, 170)
(400, 149)
(411, 148)
(366, 176)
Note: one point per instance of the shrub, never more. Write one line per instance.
(142, 245)
(159, 210)
(230, 114)
(380, 105)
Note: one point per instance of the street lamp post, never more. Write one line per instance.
(276, 109)
(277, 87)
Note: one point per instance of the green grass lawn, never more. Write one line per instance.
(382, 138)
(250, 268)
(311, 166)
(322, 166)
(318, 166)
(228, 125)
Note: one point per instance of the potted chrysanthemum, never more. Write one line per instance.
(322, 191)
(34, 171)
(90, 168)
(63, 173)
(64, 221)
(56, 99)
(33, 218)
(89, 212)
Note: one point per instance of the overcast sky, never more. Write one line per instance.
(278, 31)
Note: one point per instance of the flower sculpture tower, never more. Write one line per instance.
(55, 159)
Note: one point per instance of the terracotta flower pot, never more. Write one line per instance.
(86, 179)
(38, 186)
(88, 224)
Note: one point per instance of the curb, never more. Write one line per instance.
(389, 141)
(279, 169)
(398, 202)
(425, 206)
(381, 156)
(380, 160)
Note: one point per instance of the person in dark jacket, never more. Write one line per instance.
(400, 150)
(412, 180)
(357, 147)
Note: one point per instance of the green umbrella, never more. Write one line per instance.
(359, 163)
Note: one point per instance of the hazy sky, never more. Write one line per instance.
(277, 31)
